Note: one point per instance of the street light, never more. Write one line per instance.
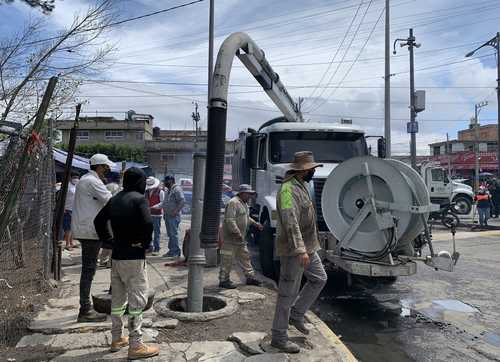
(495, 43)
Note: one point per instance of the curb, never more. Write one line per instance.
(334, 340)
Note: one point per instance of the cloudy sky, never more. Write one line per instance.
(330, 52)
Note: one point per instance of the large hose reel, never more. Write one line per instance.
(375, 208)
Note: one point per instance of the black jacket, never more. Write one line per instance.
(130, 219)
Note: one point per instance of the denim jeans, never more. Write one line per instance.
(90, 251)
(172, 224)
(156, 232)
(484, 215)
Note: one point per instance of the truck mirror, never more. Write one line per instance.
(252, 147)
(381, 148)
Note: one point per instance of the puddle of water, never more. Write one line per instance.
(492, 338)
(455, 306)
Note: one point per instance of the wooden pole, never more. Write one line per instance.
(59, 214)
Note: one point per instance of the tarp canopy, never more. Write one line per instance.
(82, 163)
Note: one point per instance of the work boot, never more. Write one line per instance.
(142, 351)
(227, 284)
(299, 325)
(286, 347)
(119, 344)
(90, 316)
(254, 281)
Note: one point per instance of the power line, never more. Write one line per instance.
(338, 48)
(114, 23)
(353, 63)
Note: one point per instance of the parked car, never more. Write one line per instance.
(188, 197)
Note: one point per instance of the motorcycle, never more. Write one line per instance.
(446, 215)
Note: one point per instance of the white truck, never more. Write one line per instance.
(443, 190)
(370, 211)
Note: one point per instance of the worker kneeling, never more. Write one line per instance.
(236, 221)
(297, 245)
(130, 234)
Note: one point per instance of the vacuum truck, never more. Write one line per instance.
(371, 212)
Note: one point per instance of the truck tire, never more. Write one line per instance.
(270, 267)
(463, 204)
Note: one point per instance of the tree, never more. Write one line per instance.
(31, 57)
(45, 5)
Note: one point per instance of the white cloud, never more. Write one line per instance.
(291, 35)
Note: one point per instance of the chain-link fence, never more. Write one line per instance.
(26, 246)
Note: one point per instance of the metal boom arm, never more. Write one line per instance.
(242, 46)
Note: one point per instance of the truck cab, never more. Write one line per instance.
(262, 158)
(443, 190)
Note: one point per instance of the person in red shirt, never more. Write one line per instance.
(483, 203)
(155, 195)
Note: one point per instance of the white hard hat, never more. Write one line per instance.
(100, 159)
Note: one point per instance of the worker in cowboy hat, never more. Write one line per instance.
(297, 245)
(155, 195)
(236, 221)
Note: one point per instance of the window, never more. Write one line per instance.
(168, 157)
(82, 135)
(438, 175)
(436, 150)
(492, 147)
(113, 135)
(331, 147)
(139, 135)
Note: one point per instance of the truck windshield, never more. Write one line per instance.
(327, 147)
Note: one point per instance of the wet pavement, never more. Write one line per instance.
(431, 316)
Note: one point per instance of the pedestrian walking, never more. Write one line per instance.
(297, 245)
(155, 195)
(90, 197)
(236, 221)
(483, 204)
(172, 209)
(131, 228)
(68, 210)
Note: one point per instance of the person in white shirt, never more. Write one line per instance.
(90, 197)
(68, 209)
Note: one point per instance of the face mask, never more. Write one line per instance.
(74, 181)
(309, 176)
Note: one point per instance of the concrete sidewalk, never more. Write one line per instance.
(240, 336)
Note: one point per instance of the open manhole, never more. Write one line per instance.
(210, 304)
(214, 306)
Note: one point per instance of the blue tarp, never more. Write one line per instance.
(82, 163)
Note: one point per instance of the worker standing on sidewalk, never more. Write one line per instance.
(297, 245)
(155, 195)
(132, 228)
(236, 221)
(90, 197)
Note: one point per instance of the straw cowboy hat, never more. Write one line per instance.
(303, 161)
(152, 183)
(245, 188)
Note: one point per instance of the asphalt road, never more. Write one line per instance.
(431, 316)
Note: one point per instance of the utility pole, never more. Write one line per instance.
(412, 126)
(196, 118)
(495, 43)
(477, 109)
(387, 81)
(448, 152)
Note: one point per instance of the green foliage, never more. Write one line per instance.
(114, 152)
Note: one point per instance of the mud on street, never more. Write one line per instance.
(430, 316)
